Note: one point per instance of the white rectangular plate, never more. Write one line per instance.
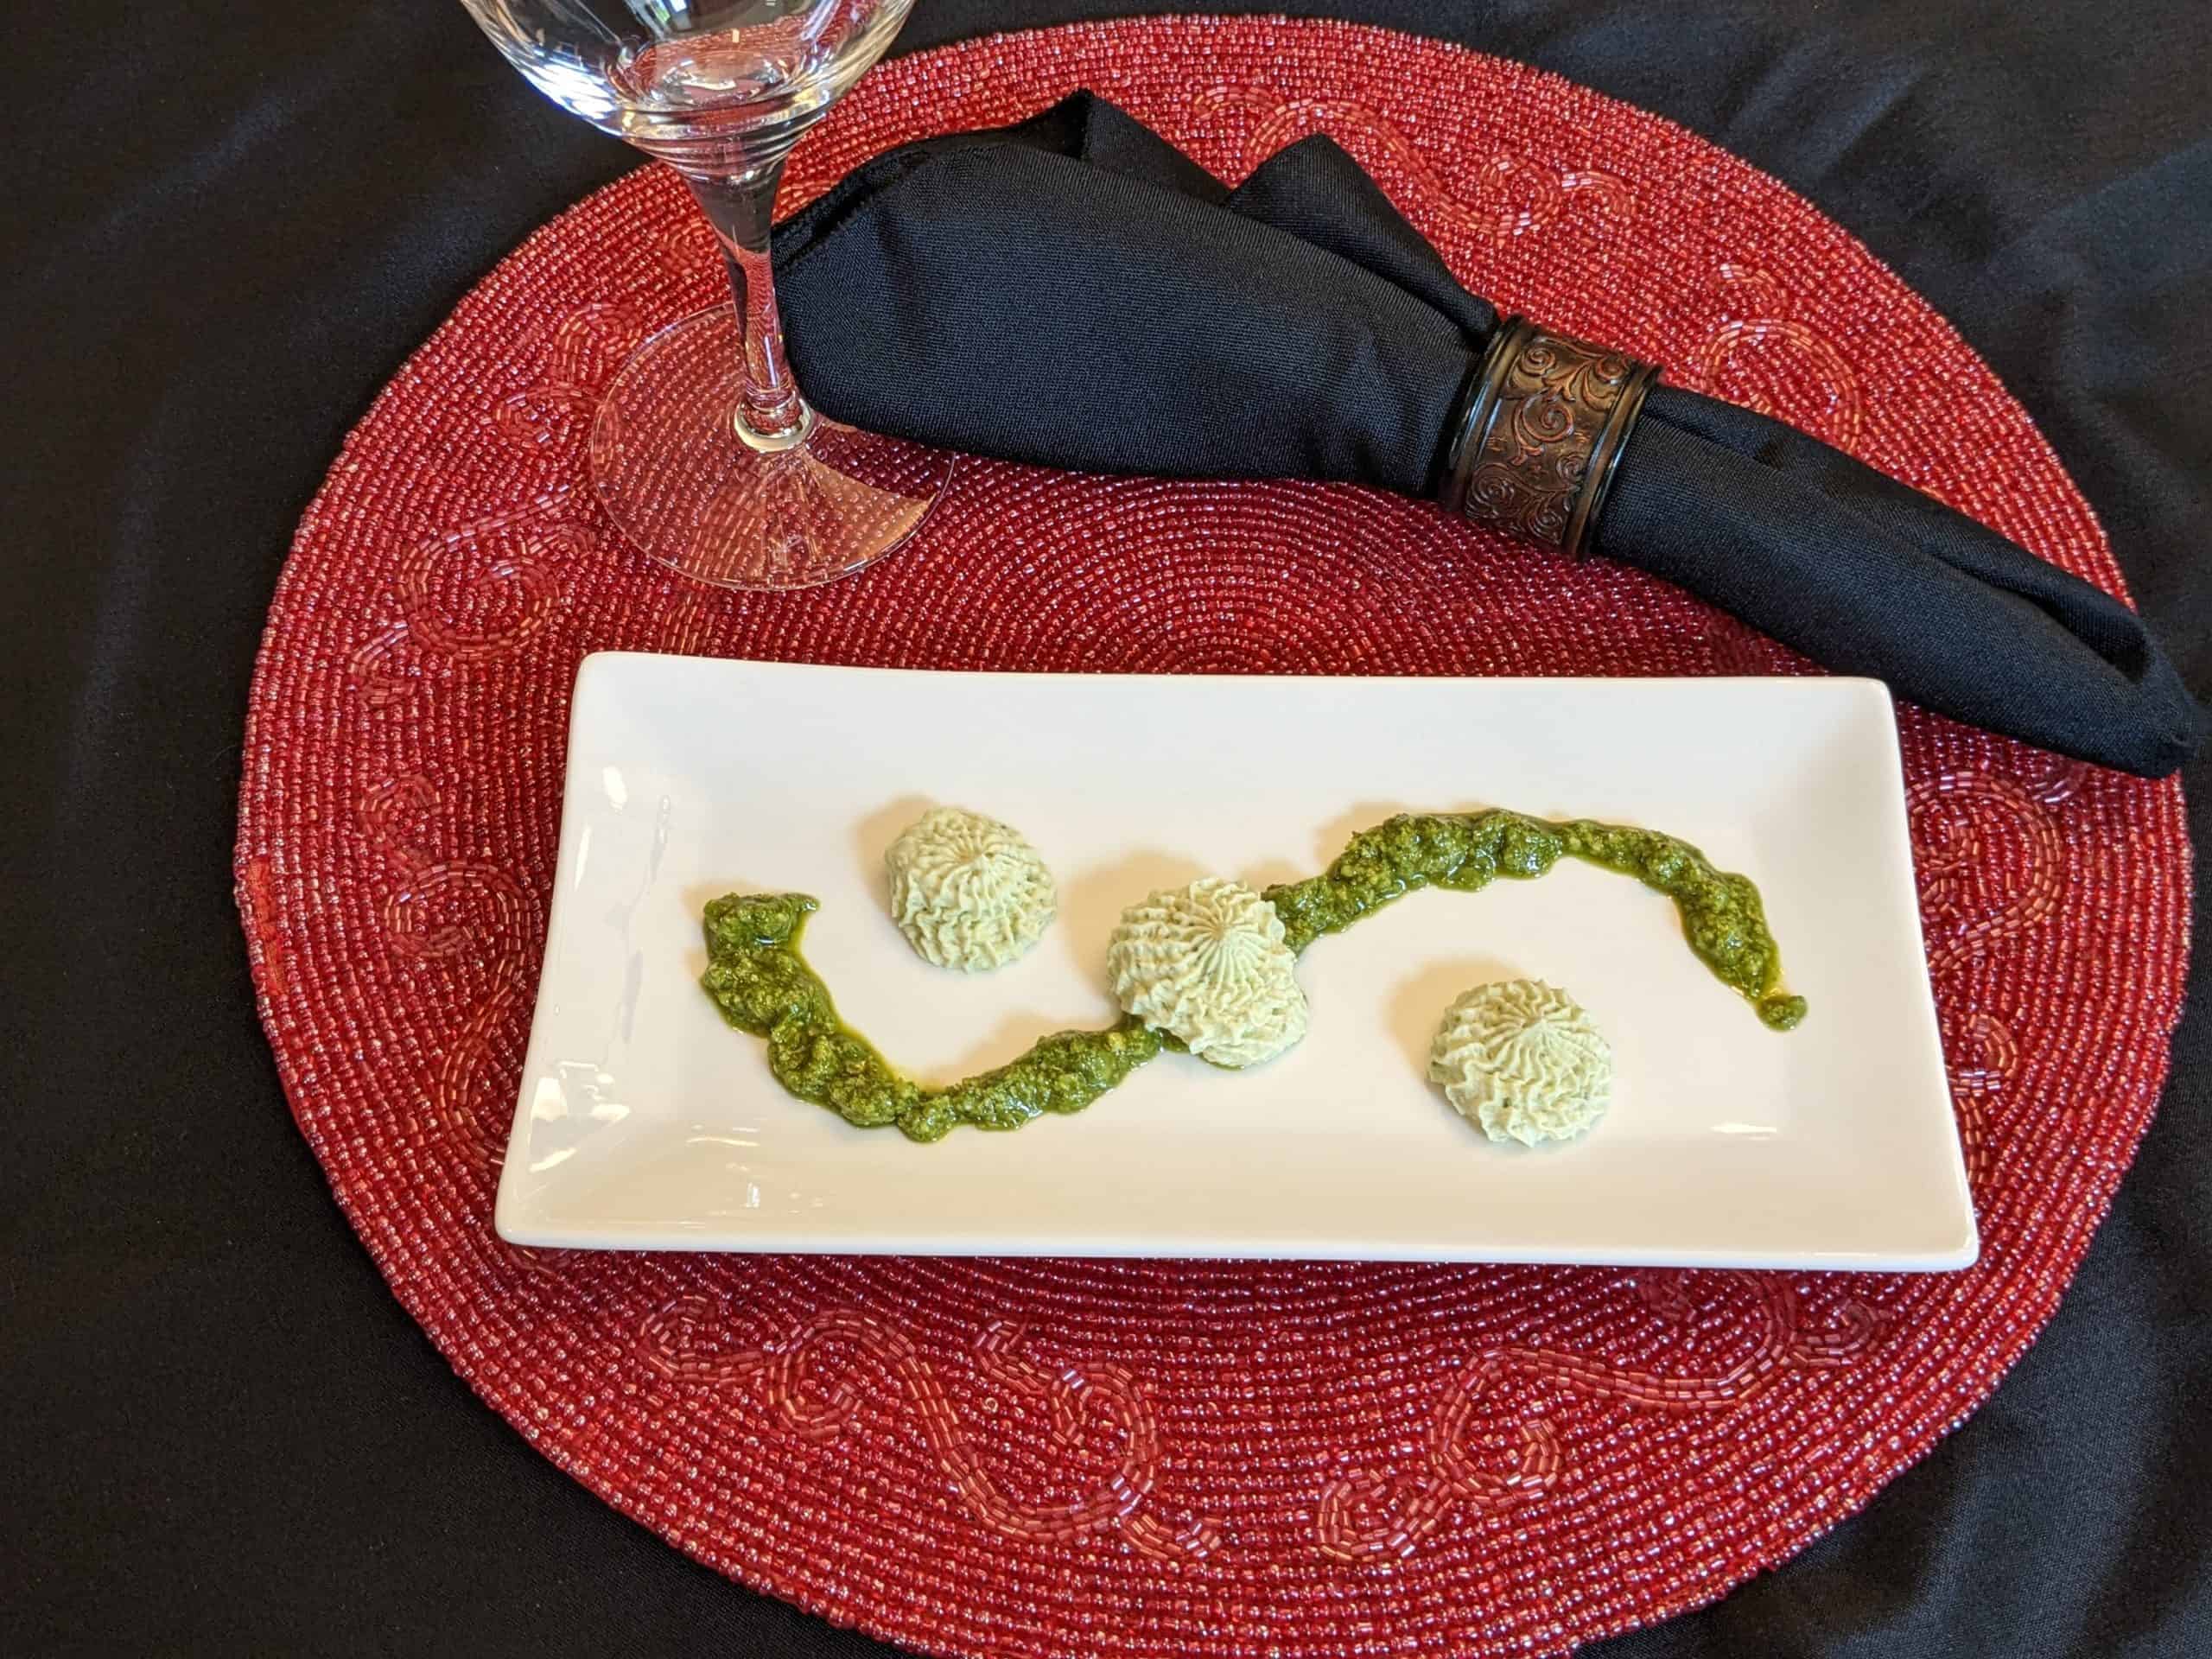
(646, 1123)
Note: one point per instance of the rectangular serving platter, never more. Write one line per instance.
(644, 1122)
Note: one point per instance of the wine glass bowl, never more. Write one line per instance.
(703, 452)
(714, 85)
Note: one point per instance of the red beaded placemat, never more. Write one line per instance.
(1035, 1457)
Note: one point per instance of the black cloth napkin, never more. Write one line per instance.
(1076, 292)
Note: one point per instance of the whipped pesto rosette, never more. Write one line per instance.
(1524, 1061)
(967, 891)
(1208, 964)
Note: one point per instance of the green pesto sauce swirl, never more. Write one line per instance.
(1722, 918)
(761, 983)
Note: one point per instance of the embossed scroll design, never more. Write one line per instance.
(583, 351)
(686, 251)
(1729, 362)
(1981, 1056)
(813, 1380)
(1551, 406)
(480, 592)
(505, 565)
(462, 913)
(1513, 194)
(1370, 1517)
(1955, 817)
(256, 900)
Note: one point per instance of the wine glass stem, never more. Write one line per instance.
(770, 414)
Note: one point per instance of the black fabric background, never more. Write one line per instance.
(228, 223)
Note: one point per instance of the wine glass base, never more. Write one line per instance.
(669, 467)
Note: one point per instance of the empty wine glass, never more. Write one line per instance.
(704, 451)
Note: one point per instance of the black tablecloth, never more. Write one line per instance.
(229, 221)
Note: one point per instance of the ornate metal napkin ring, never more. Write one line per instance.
(1546, 416)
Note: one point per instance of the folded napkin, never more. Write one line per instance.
(1076, 292)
